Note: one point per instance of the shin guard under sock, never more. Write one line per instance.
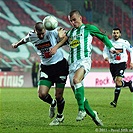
(79, 95)
(47, 99)
(116, 94)
(60, 106)
(88, 109)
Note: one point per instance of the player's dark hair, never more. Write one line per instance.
(74, 12)
(39, 26)
(116, 28)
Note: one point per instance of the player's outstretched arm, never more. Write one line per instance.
(58, 45)
(94, 31)
(61, 33)
(15, 45)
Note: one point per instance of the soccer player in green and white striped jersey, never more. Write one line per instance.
(79, 39)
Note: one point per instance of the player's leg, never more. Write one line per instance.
(125, 83)
(90, 112)
(60, 81)
(114, 70)
(60, 78)
(43, 93)
(118, 82)
(76, 75)
(60, 104)
(129, 84)
(45, 84)
(59, 98)
(79, 92)
(117, 71)
(79, 88)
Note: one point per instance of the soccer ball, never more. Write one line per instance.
(50, 22)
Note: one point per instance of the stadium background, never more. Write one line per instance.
(18, 17)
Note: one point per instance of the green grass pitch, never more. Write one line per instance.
(21, 111)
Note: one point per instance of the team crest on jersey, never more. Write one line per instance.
(131, 46)
(74, 43)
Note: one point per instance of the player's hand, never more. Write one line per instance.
(131, 65)
(106, 59)
(53, 50)
(61, 33)
(114, 51)
(14, 45)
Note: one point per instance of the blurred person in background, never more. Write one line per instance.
(79, 38)
(118, 63)
(35, 72)
(88, 10)
(53, 68)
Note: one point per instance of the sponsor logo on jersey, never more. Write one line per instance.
(74, 43)
(43, 45)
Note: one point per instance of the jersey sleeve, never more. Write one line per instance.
(67, 34)
(105, 52)
(27, 37)
(94, 31)
(55, 34)
(129, 47)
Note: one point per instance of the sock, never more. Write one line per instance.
(116, 94)
(53, 103)
(59, 115)
(124, 83)
(79, 95)
(47, 99)
(88, 109)
(60, 106)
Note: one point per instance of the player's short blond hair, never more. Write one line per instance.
(74, 12)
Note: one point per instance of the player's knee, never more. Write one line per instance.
(59, 95)
(60, 101)
(42, 95)
(118, 83)
(76, 80)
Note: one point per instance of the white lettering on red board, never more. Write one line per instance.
(11, 80)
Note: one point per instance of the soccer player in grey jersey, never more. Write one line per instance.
(54, 68)
(118, 63)
(79, 39)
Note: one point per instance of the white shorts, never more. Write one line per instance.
(84, 63)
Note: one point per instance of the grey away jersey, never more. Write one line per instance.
(43, 46)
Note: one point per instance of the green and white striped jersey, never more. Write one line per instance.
(80, 40)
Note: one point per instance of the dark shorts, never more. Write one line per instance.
(56, 73)
(118, 69)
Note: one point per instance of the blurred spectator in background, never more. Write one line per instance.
(35, 70)
(118, 63)
(132, 8)
(88, 10)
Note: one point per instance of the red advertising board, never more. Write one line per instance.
(93, 79)
(102, 79)
(15, 79)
